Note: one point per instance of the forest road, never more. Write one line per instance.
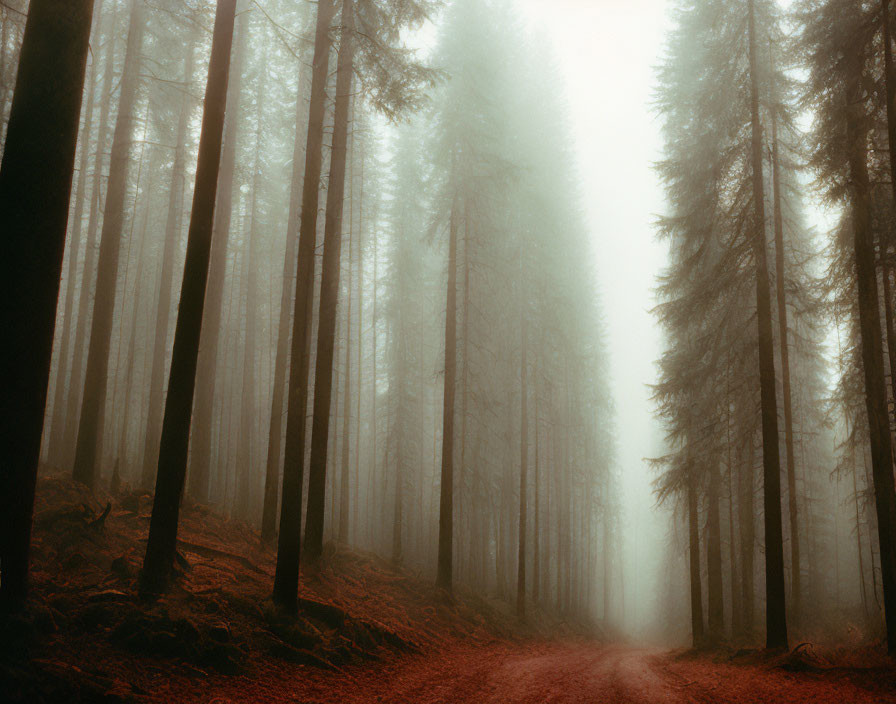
(577, 673)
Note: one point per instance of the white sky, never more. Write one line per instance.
(607, 51)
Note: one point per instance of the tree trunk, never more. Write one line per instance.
(446, 497)
(174, 442)
(245, 467)
(872, 353)
(347, 403)
(795, 576)
(287, 294)
(329, 295)
(714, 598)
(75, 386)
(356, 525)
(94, 397)
(286, 579)
(775, 615)
(35, 187)
(694, 564)
(524, 459)
(59, 419)
(173, 227)
(735, 577)
(536, 533)
(206, 371)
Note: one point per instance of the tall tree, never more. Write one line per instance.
(59, 419)
(75, 385)
(524, 466)
(446, 491)
(35, 187)
(837, 41)
(330, 270)
(780, 286)
(287, 293)
(201, 440)
(94, 397)
(162, 542)
(173, 227)
(775, 616)
(286, 578)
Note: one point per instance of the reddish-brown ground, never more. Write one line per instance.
(367, 633)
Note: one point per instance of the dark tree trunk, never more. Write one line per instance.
(287, 293)
(286, 579)
(329, 295)
(172, 469)
(88, 278)
(57, 424)
(94, 397)
(886, 267)
(35, 187)
(694, 565)
(775, 615)
(871, 340)
(795, 575)
(206, 370)
(173, 226)
(446, 493)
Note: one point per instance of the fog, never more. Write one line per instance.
(578, 309)
(608, 53)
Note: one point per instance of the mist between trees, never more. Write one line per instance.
(295, 242)
(325, 269)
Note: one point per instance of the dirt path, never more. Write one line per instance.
(576, 673)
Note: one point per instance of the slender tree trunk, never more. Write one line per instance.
(795, 573)
(85, 467)
(173, 227)
(245, 467)
(775, 615)
(446, 498)
(174, 442)
(715, 600)
(524, 460)
(745, 519)
(35, 187)
(59, 419)
(204, 404)
(75, 386)
(286, 579)
(463, 517)
(888, 319)
(347, 402)
(287, 294)
(536, 536)
(694, 563)
(329, 295)
(357, 502)
(735, 578)
(886, 268)
(373, 418)
(872, 353)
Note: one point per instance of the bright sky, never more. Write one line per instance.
(607, 51)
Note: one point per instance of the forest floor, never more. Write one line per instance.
(366, 632)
